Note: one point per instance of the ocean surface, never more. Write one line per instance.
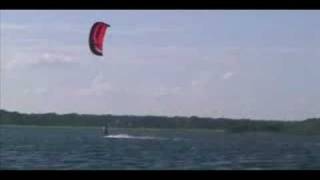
(80, 148)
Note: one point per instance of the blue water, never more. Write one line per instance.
(31, 148)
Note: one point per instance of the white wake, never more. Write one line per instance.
(126, 136)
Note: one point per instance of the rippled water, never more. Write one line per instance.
(86, 148)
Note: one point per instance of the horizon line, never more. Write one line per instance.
(167, 116)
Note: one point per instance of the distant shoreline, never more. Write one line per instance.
(309, 126)
(112, 128)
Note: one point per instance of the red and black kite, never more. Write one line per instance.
(96, 37)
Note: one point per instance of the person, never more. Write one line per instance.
(105, 130)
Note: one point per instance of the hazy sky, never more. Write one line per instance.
(237, 64)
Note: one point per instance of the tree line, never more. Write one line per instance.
(309, 126)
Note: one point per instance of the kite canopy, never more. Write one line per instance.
(96, 37)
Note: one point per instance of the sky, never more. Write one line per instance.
(207, 63)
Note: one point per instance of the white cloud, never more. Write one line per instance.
(98, 87)
(96, 90)
(98, 79)
(43, 59)
(146, 30)
(227, 75)
(13, 63)
(26, 91)
(50, 58)
(197, 83)
(35, 91)
(40, 90)
(202, 79)
(35, 28)
(165, 91)
(302, 100)
(7, 26)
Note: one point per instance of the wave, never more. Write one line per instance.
(126, 136)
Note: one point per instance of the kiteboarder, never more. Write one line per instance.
(105, 130)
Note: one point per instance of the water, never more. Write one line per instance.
(86, 148)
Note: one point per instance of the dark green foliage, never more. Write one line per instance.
(309, 126)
